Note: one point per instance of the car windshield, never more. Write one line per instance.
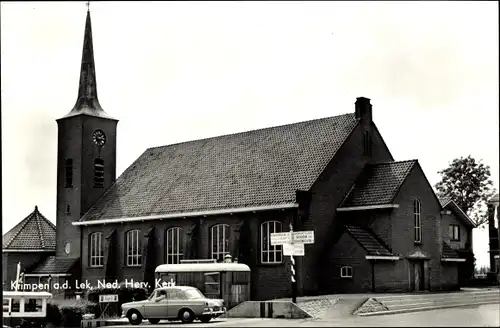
(193, 293)
(152, 295)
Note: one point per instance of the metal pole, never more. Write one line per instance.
(294, 281)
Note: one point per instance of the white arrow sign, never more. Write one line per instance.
(280, 238)
(303, 237)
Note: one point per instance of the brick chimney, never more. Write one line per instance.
(363, 109)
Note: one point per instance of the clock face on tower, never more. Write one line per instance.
(99, 138)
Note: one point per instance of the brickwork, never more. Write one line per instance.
(371, 305)
(319, 271)
(328, 192)
(465, 231)
(317, 308)
(403, 244)
(347, 252)
(75, 142)
(268, 280)
(391, 276)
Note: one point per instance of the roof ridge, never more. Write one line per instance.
(395, 192)
(52, 225)
(393, 162)
(21, 227)
(254, 130)
(39, 225)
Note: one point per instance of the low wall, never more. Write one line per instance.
(274, 309)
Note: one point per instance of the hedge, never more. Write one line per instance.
(68, 313)
(125, 294)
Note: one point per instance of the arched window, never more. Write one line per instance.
(96, 251)
(220, 241)
(174, 238)
(417, 207)
(270, 253)
(134, 251)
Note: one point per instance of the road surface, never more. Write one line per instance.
(479, 315)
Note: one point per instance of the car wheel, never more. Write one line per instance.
(186, 315)
(205, 318)
(154, 321)
(134, 317)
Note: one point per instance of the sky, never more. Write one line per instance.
(179, 71)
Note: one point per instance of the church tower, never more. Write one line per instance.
(86, 155)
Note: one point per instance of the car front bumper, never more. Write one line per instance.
(215, 313)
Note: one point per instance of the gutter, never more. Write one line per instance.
(188, 214)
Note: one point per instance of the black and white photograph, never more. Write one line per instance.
(250, 163)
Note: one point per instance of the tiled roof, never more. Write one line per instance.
(444, 201)
(448, 252)
(448, 202)
(368, 241)
(254, 168)
(54, 264)
(34, 232)
(494, 199)
(378, 183)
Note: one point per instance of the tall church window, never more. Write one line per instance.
(270, 253)
(174, 245)
(134, 252)
(220, 241)
(417, 207)
(98, 173)
(96, 250)
(68, 173)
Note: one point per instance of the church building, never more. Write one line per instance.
(377, 222)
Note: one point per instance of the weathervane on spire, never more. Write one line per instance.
(88, 5)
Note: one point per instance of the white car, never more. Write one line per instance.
(183, 303)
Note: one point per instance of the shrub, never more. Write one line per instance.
(53, 314)
(125, 294)
(68, 313)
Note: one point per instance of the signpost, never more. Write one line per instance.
(109, 298)
(280, 238)
(293, 245)
(293, 249)
(303, 237)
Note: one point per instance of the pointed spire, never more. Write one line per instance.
(87, 102)
(87, 92)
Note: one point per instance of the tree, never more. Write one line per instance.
(468, 183)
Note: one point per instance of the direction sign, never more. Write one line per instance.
(279, 238)
(293, 249)
(108, 298)
(303, 237)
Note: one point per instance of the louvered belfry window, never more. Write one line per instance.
(98, 173)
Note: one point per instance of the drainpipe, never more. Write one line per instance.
(373, 275)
